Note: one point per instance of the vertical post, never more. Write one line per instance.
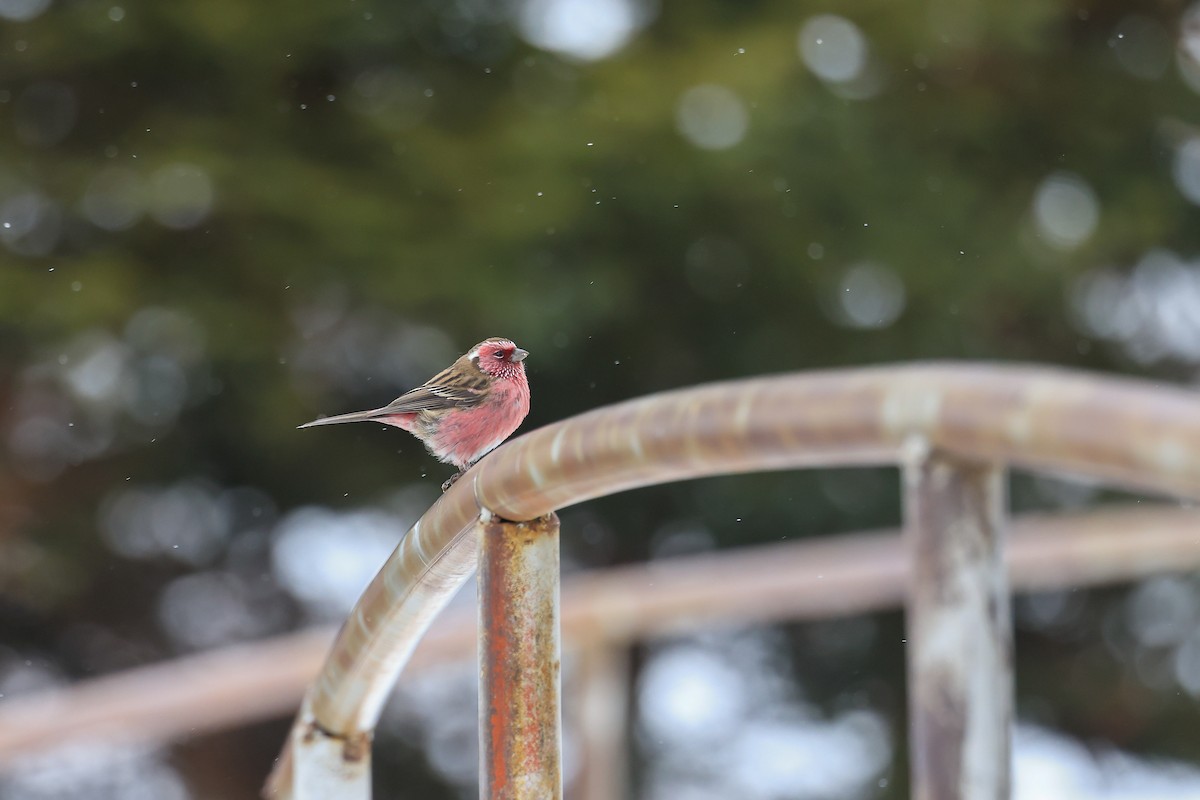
(602, 719)
(959, 631)
(519, 661)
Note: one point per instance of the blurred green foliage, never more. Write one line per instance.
(391, 182)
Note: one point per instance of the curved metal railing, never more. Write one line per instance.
(1130, 433)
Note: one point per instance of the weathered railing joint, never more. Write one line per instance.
(327, 764)
(520, 695)
(959, 629)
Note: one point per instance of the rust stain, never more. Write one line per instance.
(357, 747)
(519, 643)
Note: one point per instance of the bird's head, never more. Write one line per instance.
(498, 357)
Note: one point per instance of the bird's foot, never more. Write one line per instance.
(452, 479)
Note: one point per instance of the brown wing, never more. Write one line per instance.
(459, 386)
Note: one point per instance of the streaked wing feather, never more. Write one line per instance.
(453, 387)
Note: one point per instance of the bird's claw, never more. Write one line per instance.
(451, 481)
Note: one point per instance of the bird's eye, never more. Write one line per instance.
(499, 354)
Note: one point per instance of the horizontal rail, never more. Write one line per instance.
(1129, 433)
(803, 580)
(184, 697)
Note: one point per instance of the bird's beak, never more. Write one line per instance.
(518, 355)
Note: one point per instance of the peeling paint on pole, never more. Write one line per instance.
(960, 632)
(519, 661)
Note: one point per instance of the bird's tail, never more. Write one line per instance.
(355, 416)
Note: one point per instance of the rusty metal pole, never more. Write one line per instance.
(959, 631)
(520, 696)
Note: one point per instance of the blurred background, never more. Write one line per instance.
(221, 219)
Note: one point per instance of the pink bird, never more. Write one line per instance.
(463, 412)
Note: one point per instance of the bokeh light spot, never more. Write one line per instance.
(1186, 170)
(1142, 47)
(181, 195)
(711, 117)
(833, 48)
(869, 295)
(588, 30)
(1065, 210)
(114, 199)
(30, 224)
(327, 558)
(22, 10)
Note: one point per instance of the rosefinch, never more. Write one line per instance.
(464, 411)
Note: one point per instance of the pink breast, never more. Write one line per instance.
(466, 435)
